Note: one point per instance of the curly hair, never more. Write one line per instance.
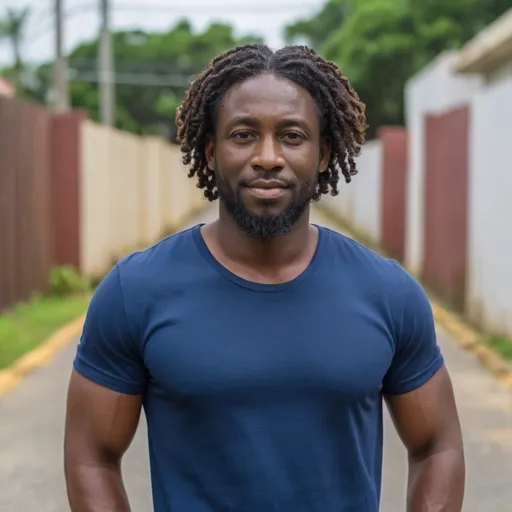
(342, 113)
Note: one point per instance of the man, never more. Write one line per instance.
(259, 345)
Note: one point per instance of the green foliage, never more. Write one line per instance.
(12, 30)
(65, 280)
(317, 30)
(162, 63)
(377, 49)
(380, 44)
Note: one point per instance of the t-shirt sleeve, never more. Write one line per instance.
(417, 354)
(107, 352)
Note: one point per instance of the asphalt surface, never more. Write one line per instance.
(32, 429)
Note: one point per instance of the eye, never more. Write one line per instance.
(294, 137)
(242, 136)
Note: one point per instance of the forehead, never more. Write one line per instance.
(268, 96)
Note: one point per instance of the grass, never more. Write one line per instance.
(501, 345)
(28, 324)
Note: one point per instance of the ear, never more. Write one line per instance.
(209, 152)
(325, 154)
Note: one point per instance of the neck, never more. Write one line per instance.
(263, 253)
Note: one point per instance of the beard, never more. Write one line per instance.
(271, 225)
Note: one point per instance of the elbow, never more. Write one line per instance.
(447, 445)
(80, 456)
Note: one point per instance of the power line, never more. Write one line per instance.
(253, 10)
(136, 79)
(209, 8)
(67, 15)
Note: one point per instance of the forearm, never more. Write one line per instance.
(96, 488)
(436, 482)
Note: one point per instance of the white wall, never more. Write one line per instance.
(133, 190)
(490, 210)
(359, 202)
(432, 91)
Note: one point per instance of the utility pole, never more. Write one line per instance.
(60, 68)
(106, 68)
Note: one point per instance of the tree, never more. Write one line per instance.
(377, 48)
(380, 44)
(12, 29)
(451, 23)
(317, 30)
(153, 71)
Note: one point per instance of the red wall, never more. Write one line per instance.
(25, 201)
(393, 204)
(446, 210)
(65, 151)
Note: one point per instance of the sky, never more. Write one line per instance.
(261, 17)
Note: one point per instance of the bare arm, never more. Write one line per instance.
(100, 425)
(427, 421)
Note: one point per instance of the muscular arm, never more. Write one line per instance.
(426, 420)
(100, 425)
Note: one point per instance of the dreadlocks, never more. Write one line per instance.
(342, 114)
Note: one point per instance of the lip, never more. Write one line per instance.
(267, 193)
(266, 184)
(267, 189)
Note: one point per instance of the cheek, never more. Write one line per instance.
(304, 161)
(233, 159)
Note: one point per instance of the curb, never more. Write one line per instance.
(43, 354)
(460, 332)
(471, 341)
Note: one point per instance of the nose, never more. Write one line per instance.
(267, 155)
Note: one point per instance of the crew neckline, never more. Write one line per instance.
(323, 236)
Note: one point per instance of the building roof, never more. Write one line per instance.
(489, 49)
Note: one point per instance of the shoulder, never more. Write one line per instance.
(175, 247)
(143, 277)
(401, 303)
(169, 260)
(382, 281)
(369, 265)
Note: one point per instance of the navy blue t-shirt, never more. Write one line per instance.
(259, 397)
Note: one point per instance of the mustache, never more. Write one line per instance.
(268, 176)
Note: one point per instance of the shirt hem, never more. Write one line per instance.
(91, 373)
(418, 381)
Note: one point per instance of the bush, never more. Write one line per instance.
(65, 280)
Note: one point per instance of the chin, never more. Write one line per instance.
(269, 221)
(267, 207)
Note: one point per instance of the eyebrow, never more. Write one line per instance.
(252, 121)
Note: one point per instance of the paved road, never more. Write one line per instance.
(31, 433)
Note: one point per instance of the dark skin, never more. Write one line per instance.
(264, 124)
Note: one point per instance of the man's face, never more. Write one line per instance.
(267, 154)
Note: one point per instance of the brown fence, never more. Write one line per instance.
(446, 192)
(73, 192)
(65, 158)
(25, 201)
(393, 199)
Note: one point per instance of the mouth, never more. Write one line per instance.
(267, 189)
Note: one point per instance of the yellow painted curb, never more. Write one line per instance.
(40, 356)
(44, 353)
(470, 340)
(449, 322)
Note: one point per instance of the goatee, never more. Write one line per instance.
(266, 226)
